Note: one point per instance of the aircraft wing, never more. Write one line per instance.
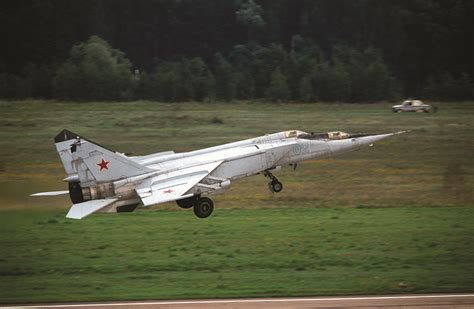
(173, 185)
(81, 210)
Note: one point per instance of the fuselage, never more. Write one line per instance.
(107, 181)
(252, 156)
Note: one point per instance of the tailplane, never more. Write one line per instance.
(81, 210)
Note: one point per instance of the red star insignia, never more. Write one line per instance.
(103, 165)
(168, 191)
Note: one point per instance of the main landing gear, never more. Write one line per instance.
(274, 185)
(202, 206)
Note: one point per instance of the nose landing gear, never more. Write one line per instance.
(274, 185)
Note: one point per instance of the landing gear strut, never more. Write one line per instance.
(202, 206)
(274, 185)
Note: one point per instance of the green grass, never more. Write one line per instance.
(393, 218)
(236, 253)
(430, 166)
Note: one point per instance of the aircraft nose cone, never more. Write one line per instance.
(368, 140)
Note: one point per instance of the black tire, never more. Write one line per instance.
(277, 186)
(203, 207)
(187, 202)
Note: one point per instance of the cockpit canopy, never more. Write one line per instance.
(293, 133)
(338, 135)
(333, 135)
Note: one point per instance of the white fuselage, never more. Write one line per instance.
(252, 156)
(107, 181)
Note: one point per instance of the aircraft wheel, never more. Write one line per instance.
(187, 202)
(276, 186)
(203, 207)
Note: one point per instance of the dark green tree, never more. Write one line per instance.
(201, 79)
(145, 88)
(225, 78)
(94, 71)
(379, 82)
(267, 60)
(250, 15)
(184, 80)
(305, 89)
(243, 60)
(278, 89)
(321, 74)
(416, 39)
(245, 84)
(168, 83)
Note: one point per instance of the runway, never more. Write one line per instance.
(427, 301)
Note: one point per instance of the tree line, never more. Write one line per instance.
(282, 50)
(96, 71)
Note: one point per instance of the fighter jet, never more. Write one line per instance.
(102, 180)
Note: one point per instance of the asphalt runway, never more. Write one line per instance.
(427, 301)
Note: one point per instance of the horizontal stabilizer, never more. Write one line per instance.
(81, 210)
(51, 193)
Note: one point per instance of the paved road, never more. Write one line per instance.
(433, 301)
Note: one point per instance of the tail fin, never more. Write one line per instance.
(93, 163)
(63, 142)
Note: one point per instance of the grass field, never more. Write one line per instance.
(397, 217)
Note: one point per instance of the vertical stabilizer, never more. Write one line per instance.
(63, 142)
(93, 163)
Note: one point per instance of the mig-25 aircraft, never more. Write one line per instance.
(101, 180)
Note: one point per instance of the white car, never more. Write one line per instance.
(411, 105)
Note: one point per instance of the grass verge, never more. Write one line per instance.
(235, 253)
